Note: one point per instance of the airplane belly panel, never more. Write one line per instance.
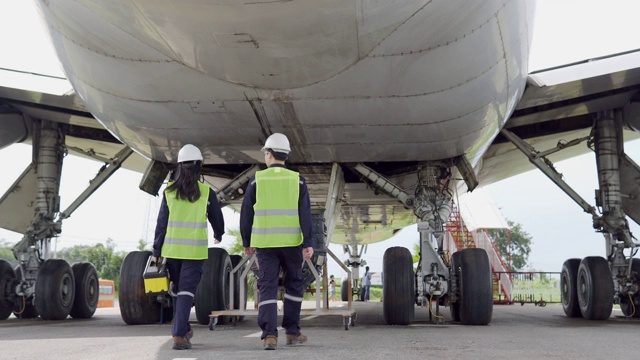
(348, 81)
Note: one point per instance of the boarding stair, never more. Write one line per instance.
(458, 237)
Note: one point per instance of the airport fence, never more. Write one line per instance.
(539, 288)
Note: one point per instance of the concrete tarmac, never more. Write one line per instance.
(515, 332)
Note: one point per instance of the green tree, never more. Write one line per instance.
(6, 253)
(416, 253)
(237, 247)
(142, 245)
(103, 256)
(514, 245)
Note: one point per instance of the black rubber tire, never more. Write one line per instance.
(399, 286)
(85, 302)
(55, 290)
(213, 291)
(625, 304)
(136, 307)
(568, 288)
(454, 307)
(595, 288)
(344, 290)
(7, 279)
(235, 260)
(24, 308)
(476, 287)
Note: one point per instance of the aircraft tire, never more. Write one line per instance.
(7, 276)
(454, 307)
(55, 290)
(568, 288)
(399, 286)
(344, 290)
(85, 302)
(235, 260)
(595, 288)
(628, 309)
(213, 291)
(136, 307)
(476, 287)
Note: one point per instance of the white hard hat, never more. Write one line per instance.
(278, 143)
(189, 153)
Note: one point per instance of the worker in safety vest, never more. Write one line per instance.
(182, 236)
(275, 221)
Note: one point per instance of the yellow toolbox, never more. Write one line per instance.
(156, 278)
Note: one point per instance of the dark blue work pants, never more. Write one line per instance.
(185, 275)
(270, 260)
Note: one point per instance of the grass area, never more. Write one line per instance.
(534, 287)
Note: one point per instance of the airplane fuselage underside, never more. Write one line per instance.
(346, 81)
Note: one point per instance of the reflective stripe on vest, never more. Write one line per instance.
(276, 222)
(187, 234)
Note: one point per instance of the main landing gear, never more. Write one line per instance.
(40, 285)
(590, 286)
(464, 283)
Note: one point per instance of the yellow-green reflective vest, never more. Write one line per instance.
(187, 234)
(276, 222)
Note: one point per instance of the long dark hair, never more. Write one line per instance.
(185, 182)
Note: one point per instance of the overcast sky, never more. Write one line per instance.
(565, 31)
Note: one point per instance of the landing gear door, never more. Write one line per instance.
(16, 205)
(630, 187)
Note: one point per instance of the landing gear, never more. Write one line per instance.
(476, 287)
(595, 289)
(344, 290)
(399, 288)
(355, 262)
(454, 306)
(23, 305)
(87, 290)
(55, 290)
(213, 290)
(7, 279)
(568, 288)
(136, 307)
(465, 284)
(592, 285)
(630, 304)
(44, 286)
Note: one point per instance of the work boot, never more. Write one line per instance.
(181, 343)
(296, 339)
(270, 342)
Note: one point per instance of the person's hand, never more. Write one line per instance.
(217, 241)
(157, 260)
(248, 251)
(307, 253)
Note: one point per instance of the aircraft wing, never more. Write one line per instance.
(550, 116)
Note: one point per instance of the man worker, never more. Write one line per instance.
(275, 222)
